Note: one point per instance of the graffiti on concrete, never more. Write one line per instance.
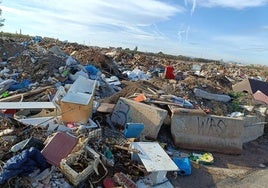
(119, 115)
(211, 126)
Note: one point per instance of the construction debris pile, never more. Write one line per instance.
(78, 116)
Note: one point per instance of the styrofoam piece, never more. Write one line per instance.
(26, 105)
(58, 96)
(77, 98)
(42, 121)
(83, 85)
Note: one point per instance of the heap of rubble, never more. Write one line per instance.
(83, 116)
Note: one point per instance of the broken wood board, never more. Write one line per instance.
(22, 95)
(106, 107)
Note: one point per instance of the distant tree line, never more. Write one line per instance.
(14, 35)
(1, 19)
(168, 56)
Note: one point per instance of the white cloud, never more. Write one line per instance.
(119, 13)
(81, 19)
(236, 4)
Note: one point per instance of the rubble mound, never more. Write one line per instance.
(130, 89)
(106, 104)
(10, 48)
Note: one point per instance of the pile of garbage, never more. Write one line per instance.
(73, 115)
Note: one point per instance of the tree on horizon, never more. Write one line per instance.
(1, 19)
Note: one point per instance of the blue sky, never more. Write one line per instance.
(232, 30)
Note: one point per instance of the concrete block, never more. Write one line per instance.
(129, 111)
(253, 128)
(213, 133)
(209, 133)
(211, 96)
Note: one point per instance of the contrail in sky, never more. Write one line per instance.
(193, 7)
(187, 32)
(186, 2)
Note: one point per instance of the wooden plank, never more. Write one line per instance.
(106, 107)
(26, 105)
(22, 95)
(165, 103)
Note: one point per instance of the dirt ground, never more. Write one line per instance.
(233, 168)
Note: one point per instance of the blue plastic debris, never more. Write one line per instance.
(5, 85)
(184, 165)
(182, 101)
(20, 85)
(133, 130)
(92, 70)
(37, 39)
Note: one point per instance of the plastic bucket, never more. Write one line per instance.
(169, 72)
(184, 166)
(133, 130)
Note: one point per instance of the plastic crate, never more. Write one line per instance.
(77, 177)
(116, 135)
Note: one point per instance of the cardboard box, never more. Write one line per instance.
(73, 112)
(77, 104)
